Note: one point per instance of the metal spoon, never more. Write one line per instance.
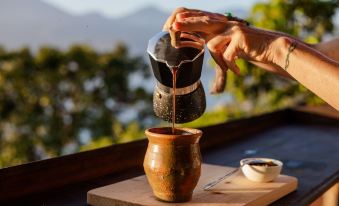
(215, 182)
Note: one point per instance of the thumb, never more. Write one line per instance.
(171, 18)
(219, 81)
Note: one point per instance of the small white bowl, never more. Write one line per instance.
(258, 173)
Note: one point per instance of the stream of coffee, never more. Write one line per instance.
(174, 71)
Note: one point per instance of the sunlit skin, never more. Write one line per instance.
(329, 48)
(314, 66)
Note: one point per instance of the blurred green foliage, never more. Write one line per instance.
(257, 91)
(57, 102)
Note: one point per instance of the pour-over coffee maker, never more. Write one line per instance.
(190, 95)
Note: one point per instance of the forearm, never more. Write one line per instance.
(272, 68)
(311, 68)
(329, 48)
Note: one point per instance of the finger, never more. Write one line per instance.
(191, 12)
(233, 66)
(197, 24)
(193, 37)
(200, 36)
(217, 57)
(181, 44)
(230, 56)
(196, 36)
(175, 37)
(219, 81)
(172, 17)
(183, 15)
(226, 48)
(217, 46)
(204, 24)
(203, 35)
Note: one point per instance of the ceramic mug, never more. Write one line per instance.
(173, 162)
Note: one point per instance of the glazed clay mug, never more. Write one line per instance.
(173, 162)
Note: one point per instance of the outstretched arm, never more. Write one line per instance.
(310, 67)
(274, 51)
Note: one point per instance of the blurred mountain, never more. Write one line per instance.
(34, 23)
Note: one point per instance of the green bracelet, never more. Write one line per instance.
(228, 14)
(233, 18)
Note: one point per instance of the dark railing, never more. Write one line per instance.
(39, 176)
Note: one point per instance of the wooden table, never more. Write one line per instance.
(305, 139)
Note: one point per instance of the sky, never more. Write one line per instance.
(118, 8)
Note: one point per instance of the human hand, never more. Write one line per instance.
(229, 40)
(226, 41)
(258, 46)
(214, 24)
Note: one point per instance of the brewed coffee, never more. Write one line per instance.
(174, 77)
(168, 130)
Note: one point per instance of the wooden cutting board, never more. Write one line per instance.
(234, 191)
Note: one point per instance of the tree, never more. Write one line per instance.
(54, 102)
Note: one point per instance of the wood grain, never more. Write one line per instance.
(234, 191)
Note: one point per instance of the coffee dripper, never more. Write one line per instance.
(190, 95)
